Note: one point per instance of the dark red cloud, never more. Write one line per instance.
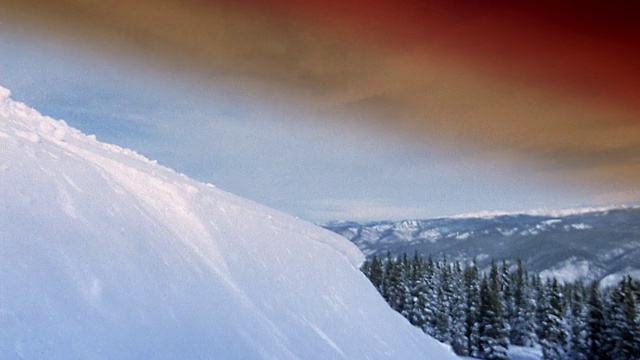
(550, 81)
(590, 48)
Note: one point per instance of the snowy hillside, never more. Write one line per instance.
(588, 244)
(107, 255)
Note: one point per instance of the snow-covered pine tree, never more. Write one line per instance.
(494, 339)
(631, 334)
(416, 268)
(555, 334)
(415, 310)
(472, 328)
(459, 341)
(577, 320)
(623, 330)
(540, 293)
(465, 310)
(397, 290)
(431, 281)
(443, 303)
(595, 323)
(375, 273)
(523, 317)
(506, 295)
(420, 313)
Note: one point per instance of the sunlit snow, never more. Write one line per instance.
(107, 255)
(570, 270)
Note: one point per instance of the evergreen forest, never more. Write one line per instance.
(481, 313)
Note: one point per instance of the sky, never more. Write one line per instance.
(269, 152)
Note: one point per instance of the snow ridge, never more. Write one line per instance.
(546, 212)
(105, 254)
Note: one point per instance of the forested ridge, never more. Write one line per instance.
(480, 314)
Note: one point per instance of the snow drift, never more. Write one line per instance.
(107, 255)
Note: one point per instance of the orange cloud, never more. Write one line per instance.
(552, 85)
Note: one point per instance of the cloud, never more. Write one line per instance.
(618, 197)
(361, 210)
(424, 71)
(550, 99)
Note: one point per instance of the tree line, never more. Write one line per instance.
(481, 313)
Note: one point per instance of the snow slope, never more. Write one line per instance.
(107, 255)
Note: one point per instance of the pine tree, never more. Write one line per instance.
(523, 317)
(375, 273)
(472, 328)
(431, 284)
(458, 312)
(555, 335)
(595, 323)
(494, 340)
(539, 291)
(397, 291)
(415, 311)
(443, 303)
(466, 310)
(623, 330)
(385, 286)
(578, 344)
(630, 345)
(419, 314)
(506, 295)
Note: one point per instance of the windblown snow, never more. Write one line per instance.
(107, 255)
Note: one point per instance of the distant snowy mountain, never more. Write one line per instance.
(107, 255)
(588, 244)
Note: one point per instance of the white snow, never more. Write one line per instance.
(614, 279)
(107, 255)
(525, 353)
(548, 224)
(581, 226)
(372, 234)
(482, 257)
(519, 353)
(432, 235)
(406, 229)
(570, 270)
(551, 222)
(507, 232)
(485, 214)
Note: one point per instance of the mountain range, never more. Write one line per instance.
(577, 244)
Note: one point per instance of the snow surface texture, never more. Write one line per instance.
(519, 353)
(107, 255)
